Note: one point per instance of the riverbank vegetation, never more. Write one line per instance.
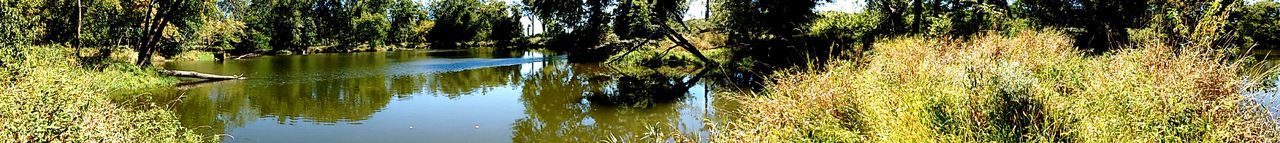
(890, 70)
(1025, 87)
(1115, 71)
(52, 96)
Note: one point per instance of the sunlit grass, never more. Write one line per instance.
(1028, 87)
(194, 56)
(51, 96)
(661, 57)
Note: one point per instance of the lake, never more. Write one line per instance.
(437, 96)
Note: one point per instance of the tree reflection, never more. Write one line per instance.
(646, 90)
(563, 102)
(467, 82)
(556, 112)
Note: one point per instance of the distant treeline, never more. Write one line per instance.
(772, 31)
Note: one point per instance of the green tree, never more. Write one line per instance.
(593, 33)
(1194, 23)
(259, 27)
(405, 14)
(333, 21)
(572, 25)
(18, 22)
(1259, 24)
(506, 28)
(371, 29)
(219, 33)
(1102, 24)
(769, 30)
(371, 24)
(968, 17)
(287, 23)
(843, 29)
(159, 15)
(60, 19)
(558, 15)
(938, 17)
(454, 22)
(631, 19)
(894, 16)
(668, 10)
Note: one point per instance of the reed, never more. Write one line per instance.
(1025, 87)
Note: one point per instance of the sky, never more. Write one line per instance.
(697, 9)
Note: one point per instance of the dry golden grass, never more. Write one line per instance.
(1028, 87)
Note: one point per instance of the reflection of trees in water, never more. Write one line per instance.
(290, 91)
(731, 79)
(563, 102)
(646, 90)
(478, 52)
(325, 101)
(467, 82)
(326, 89)
(553, 99)
(209, 114)
(352, 95)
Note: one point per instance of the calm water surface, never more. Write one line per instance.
(436, 96)
(1269, 97)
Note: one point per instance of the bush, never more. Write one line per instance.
(842, 27)
(49, 96)
(1031, 87)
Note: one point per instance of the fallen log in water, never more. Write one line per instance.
(192, 74)
(250, 55)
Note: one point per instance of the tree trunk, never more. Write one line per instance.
(191, 74)
(154, 31)
(680, 40)
(896, 17)
(918, 7)
(706, 15)
(150, 45)
(79, 24)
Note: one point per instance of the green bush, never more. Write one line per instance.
(51, 96)
(1260, 25)
(842, 27)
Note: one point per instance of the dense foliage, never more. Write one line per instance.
(51, 96)
(763, 35)
(1260, 25)
(1028, 87)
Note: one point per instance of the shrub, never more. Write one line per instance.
(50, 96)
(1030, 87)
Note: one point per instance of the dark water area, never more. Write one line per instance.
(437, 96)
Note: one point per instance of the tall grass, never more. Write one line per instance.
(1027, 87)
(51, 96)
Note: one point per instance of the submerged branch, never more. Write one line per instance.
(191, 74)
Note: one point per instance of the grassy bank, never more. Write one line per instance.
(1029, 87)
(660, 57)
(52, 96)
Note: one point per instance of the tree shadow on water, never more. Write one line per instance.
(645, 90)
